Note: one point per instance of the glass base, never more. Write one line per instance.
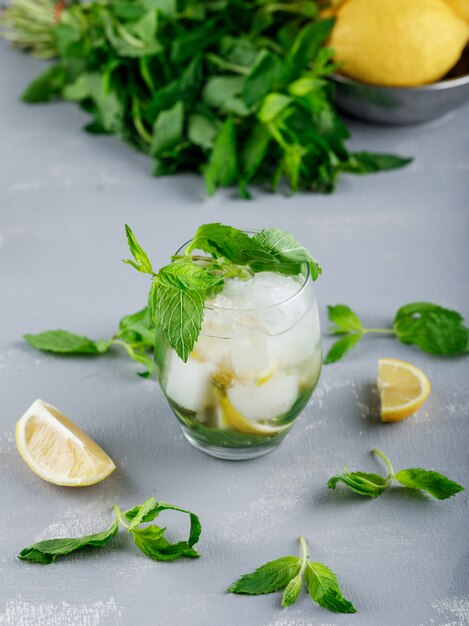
(230, 454)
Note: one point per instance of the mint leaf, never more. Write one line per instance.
(142, 262)
(46, 86)
(340, 347)
(151, 542)
(371, 485)
(435, 484)
(63, 342)
(432, 328)
(286, 250)
(136, 328)
(344, 319)
(167, 130)
(222, 241)
(367, 162)
(270, 577)
(151, 508)
(180, 313)
(222, 167)
(185, 274)
(292, 590)
(46, 552)
(324, 589)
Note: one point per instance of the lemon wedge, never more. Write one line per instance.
(55, 449)
(403, 388)
(235, 420)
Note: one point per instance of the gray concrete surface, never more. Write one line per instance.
(384, 240)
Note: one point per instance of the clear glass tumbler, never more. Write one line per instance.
(253, 369)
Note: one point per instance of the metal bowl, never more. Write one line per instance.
(403, 105)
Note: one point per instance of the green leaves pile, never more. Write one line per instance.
(430, 327)
(234, 89)
(179, 290)
(149, 539)
(373, 485)
(288, 574)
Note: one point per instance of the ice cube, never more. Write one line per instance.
(298, 343)
(250, 357)
(189, 384)
(263, 402)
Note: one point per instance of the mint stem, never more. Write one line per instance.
(383, 331)
(386, 460)
(304, 553)
(120, 516)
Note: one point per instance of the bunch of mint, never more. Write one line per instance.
(236, 90)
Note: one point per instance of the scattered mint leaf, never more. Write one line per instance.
(149, 540)
(344, 319)
(366, 162)
(430, 327)
(46, 552)
(287, 573)
(142, 262)
(324, 589)
(63, 342)
(340, 347)
(270, 577)
(437, 485)
(292, 590)
(373, 485)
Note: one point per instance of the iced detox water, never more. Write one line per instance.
(253, 368)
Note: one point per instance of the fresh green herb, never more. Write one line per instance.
(236, 90)
(179, 290)
(134, 335)
(287, 573)
(150, 539)
(428, 326)
(373, 485)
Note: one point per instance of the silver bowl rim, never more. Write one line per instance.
(441, 85)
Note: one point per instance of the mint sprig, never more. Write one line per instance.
(134, 335)
(373, 485)
(179, 290)
(430, 327)
(288, 573)
(149, 539)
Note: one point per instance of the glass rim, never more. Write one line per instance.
(301, 287)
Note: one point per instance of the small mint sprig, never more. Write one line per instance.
(149, 539)
(430, 327)
(373, 485)
(179, 290)
(288, 573)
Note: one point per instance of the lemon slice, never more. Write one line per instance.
(57, 450)
(235, 420)
(402, 387)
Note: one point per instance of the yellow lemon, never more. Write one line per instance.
(403, 388)
(399, 43)
(461, 7)
(57, 450)
(235, 420)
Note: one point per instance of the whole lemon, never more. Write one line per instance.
(399, 43)
(461, 7)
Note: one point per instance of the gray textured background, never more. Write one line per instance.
(384, 240)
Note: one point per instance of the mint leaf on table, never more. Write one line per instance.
(373, 485)
(437, 485)
(46, 552)
(430, 327)
(150, 540)
(324, 589)
(234, 90)
(61, 341)
(287, 573)
(270, 577)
